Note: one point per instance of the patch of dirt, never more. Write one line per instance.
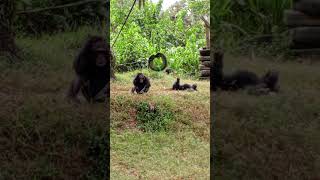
(131, 123)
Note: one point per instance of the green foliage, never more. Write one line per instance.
(157, 119)
(157, 63)
(236, 22)
(56, 20)
(99, 153)
(177, 32)
(132, 45)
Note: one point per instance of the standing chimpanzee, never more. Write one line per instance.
(177, 86)
(92, 67)
(141, 84)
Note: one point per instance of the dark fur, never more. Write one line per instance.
(188, 86)
(141, 84)
(241, 78)
(270, 80)
(92, 67)
(177, 86)
(168, 71)
(217, 71)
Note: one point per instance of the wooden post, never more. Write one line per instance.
(208, 37)
(207, 29)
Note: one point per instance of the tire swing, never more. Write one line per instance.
(151, 63)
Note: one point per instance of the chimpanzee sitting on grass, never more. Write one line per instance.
(141, 84)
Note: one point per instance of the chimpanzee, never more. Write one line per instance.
(177, 86)
(188, 87)
(270, 80)
(241, 78)
(141, 84)
(92, 67)
(169, 71)
(217, 68)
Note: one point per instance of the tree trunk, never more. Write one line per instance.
(7, 13)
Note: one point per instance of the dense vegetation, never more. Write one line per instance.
(243, 25)
(33, 19)
(177, 32)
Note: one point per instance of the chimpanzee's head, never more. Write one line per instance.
(99, 49)
(141, 78)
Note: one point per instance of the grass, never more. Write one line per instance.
(42, 136)
(180, 150)
(274, 136)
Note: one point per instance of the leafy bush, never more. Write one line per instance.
(157, 119)
(98, 152)
(240, 25)
(177, 32)
(56, 20)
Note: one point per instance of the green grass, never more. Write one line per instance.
(42, 136)
(160, 155)
(173, 141)
(274, 136)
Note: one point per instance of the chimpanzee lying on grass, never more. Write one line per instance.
(177, 86)
(242, 79)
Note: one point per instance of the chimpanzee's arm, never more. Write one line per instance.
(146, 86)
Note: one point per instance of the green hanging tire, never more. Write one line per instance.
(164, 62)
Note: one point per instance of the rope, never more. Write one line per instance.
(59, 6)
(114, 42)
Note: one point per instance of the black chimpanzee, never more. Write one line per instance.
(141, 84)
(177, 86)
(241, 78)
(92, 67)
(270, 80)
(169, 71)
